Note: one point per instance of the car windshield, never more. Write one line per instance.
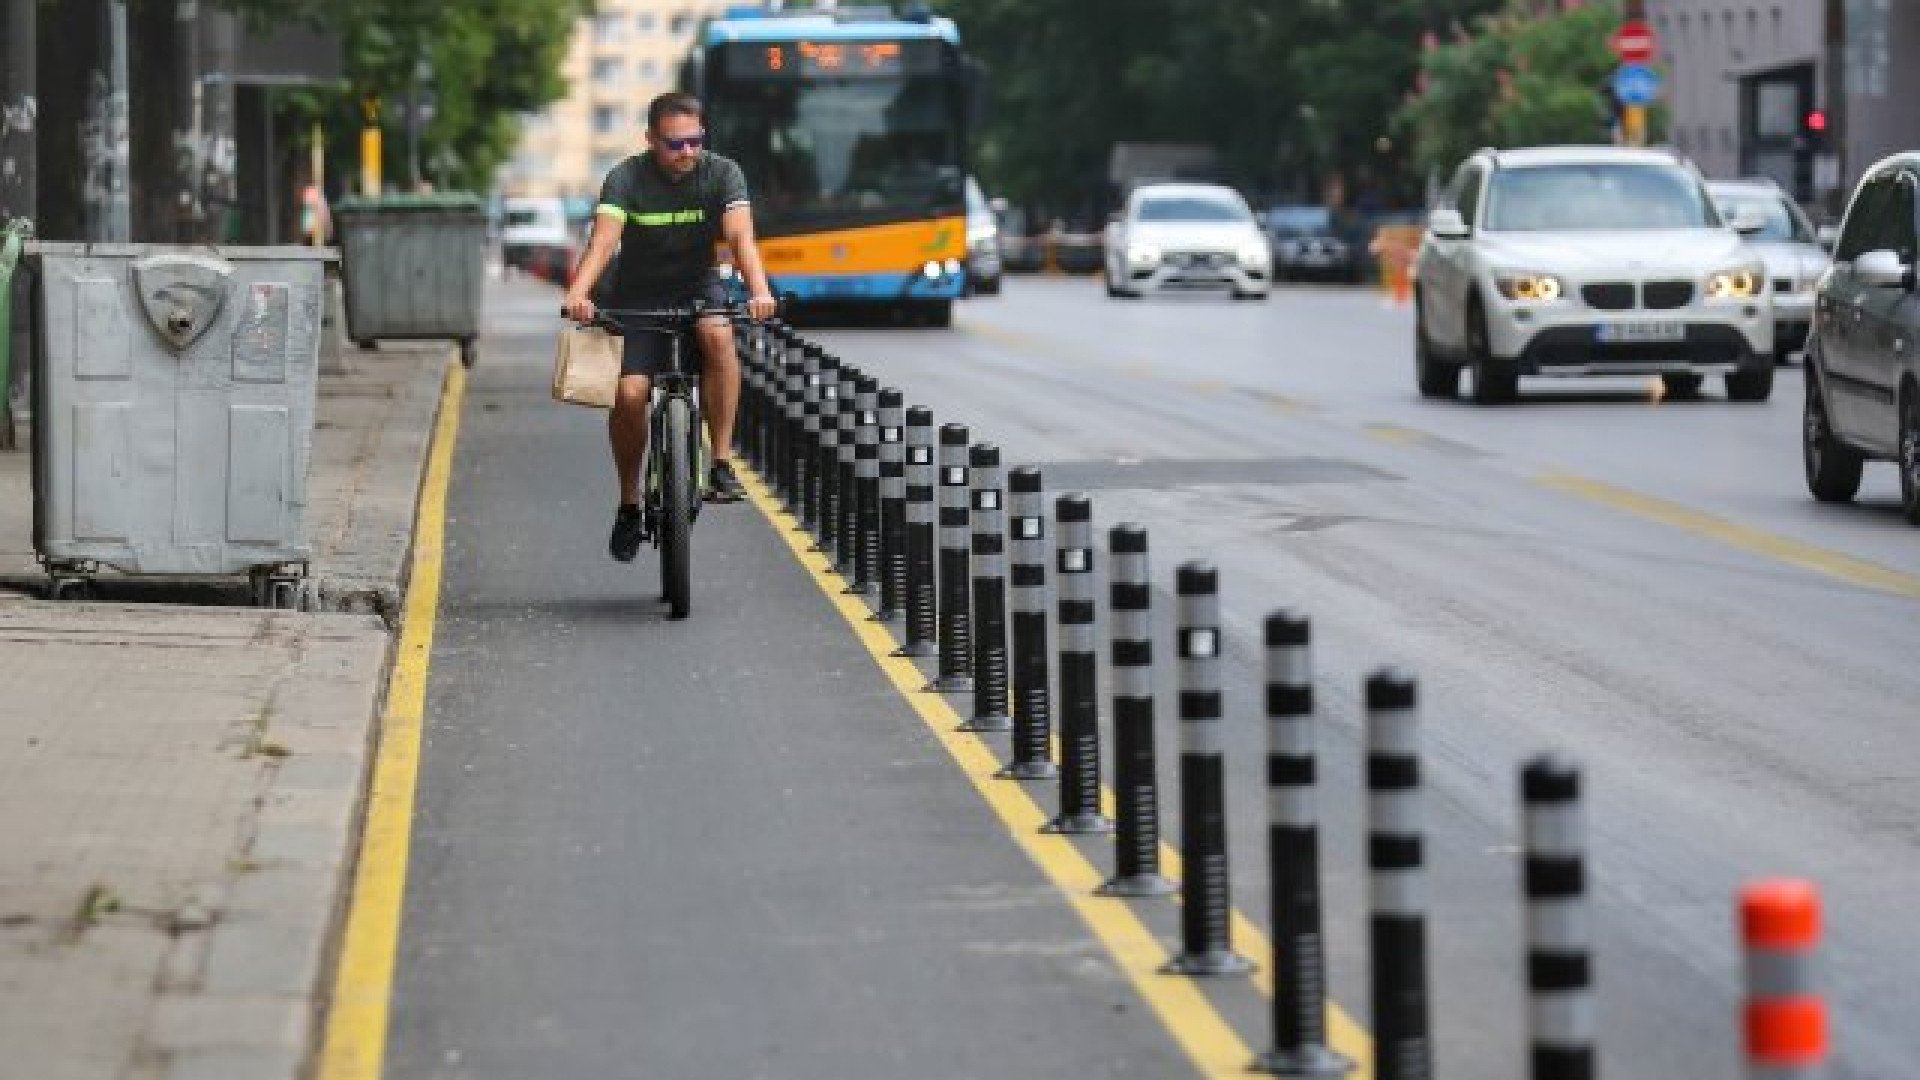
(1299, 220)
(1190, 208)
(1783, 224)
(1597, 196)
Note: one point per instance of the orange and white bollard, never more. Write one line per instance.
(1786, 1019)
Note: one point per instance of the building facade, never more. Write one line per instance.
(617, 61)
(1801, 91)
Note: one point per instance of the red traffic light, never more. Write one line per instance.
(1817, 120)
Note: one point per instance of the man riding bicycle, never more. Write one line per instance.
(664, 211)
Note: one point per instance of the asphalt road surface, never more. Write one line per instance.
(607, 871)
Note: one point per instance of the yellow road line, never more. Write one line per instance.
(1778, 548)
(356, 1032)
(1211, 1043)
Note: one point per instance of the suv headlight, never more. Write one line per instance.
(1142, 254)
(1252, 254)
(1530, 288)
(1736, 283)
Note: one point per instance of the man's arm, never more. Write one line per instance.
(737, 225)
(601, 246)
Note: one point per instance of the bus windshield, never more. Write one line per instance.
(841, 150)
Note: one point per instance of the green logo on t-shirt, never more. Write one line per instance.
(669, 217)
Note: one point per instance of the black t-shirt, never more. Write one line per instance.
(671, 226)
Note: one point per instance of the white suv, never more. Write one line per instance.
(1587, 260)
(1187, 236)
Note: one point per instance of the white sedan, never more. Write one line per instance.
(1187, 236)
(1587, 261)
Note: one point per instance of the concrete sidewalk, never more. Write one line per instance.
(180, 784)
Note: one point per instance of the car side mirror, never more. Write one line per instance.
(1260, 219)
(1882, 269)
(1446, 223)
(1827, 236)
(1747, 222)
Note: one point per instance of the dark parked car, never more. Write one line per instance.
(1307, 245)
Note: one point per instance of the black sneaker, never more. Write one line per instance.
(722, 485)
(628, 532)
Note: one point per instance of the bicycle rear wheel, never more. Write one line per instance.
(676, 507)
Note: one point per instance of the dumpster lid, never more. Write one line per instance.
(229, 252)
(445, 201)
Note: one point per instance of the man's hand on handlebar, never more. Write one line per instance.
(762, 307)
(579, 307)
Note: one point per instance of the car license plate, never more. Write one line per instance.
(1640, 331)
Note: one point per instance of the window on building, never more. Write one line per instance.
(608, 119)
(609, 71)
(682, 25)
(649, 69)
(609, 28)
(646, 23)
(604, 163)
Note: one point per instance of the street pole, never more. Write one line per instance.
(186, 120)
(117, 222)
(1633, 118)
(1835, 77)
(19, 109)
(218, 189)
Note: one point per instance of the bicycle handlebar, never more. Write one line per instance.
(666, 318)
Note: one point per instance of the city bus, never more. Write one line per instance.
(851, 125)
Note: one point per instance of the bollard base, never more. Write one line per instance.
(1212, 964)
(864, 592)
(951, 684)
(1307, 1063)
(886, 615)
(916, 649)
(1138, 885)
(1078, 825)
(996, 722)
(1029, 770)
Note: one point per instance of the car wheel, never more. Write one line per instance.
(1910, 453)
(990, 286)
(1238, 295)
(1681, 385)
(1833, 467)
(1750, 384)
(1436, 377)
(1494, 382)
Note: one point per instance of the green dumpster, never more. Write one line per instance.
(414, 267)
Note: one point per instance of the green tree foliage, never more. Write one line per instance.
(1534, 74)
(1292, 93)
(490, 61)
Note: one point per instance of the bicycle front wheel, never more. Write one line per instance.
(676, 507)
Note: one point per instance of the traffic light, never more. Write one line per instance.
(1813, 131)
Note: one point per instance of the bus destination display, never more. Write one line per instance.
(830, 59)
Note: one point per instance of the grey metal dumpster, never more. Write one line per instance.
(174, 394)
(415, 267)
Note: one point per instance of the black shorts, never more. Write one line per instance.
(646, 347)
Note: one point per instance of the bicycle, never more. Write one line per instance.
(674, 473)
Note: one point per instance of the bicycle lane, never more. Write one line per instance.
(726, 846)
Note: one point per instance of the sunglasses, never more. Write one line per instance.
(691, 142)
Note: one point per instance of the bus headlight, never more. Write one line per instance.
(931, 271)
(953, 267)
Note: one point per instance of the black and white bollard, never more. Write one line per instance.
(866, 490)
(1079, 671)
(1136, 784)
(921, 634)
(746, 345)
(1032, 757)
(1402, 1049)
(793, 393)
(989, 525)
(1559, 929)
(1300, 1046)
(893, 505)
(956, 542)
(824, 479)
(1206, 887)
(805, 499)
(843, 529)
